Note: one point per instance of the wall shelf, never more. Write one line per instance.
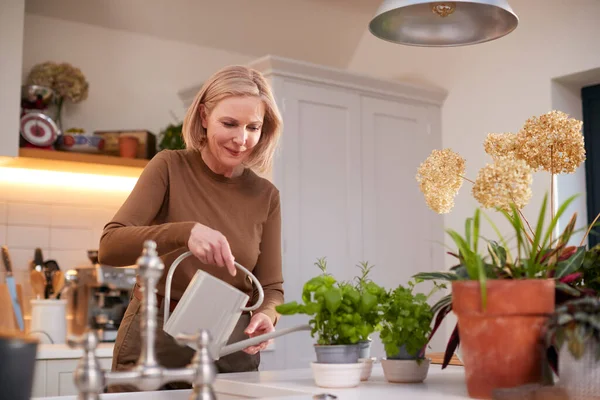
(85, 163)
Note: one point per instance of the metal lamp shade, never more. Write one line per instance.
(442, 24)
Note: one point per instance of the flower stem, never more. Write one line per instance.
(551, 191)
(467, 179)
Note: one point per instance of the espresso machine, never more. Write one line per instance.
(99, 297)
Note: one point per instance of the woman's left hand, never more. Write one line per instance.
(259, 325)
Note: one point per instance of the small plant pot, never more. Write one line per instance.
(367, 368)
(364, 348)
(405, 371)
(128, 146)
(580, 378)
(337, 353)
(337, 375)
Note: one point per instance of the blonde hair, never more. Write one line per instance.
(236, 80)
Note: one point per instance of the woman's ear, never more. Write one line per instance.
(203, 117)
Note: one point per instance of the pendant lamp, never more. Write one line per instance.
(442, 23)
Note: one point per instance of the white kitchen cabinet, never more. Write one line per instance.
(346, 168)
(54, 368)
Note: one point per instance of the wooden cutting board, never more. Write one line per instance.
(8, 319)
(438, 358)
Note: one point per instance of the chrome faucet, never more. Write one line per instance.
(90, 380)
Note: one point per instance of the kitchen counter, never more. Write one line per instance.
(63, 351)
(299, 385)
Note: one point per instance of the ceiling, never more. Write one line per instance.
(319, 31)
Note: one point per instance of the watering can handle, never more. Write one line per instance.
(261, 293)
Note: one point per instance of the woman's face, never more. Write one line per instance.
(233, 129)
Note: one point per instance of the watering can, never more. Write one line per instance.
(213, 304)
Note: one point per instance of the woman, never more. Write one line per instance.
(207, 199)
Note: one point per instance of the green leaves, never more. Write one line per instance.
(575, 323)
(406, 321)
(570, 265)
(341, 313)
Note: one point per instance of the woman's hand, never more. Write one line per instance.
(259, 325)
(211, 247)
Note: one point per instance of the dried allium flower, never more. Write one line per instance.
(500, 145)
(440, 178)
(507, 180)
(552, 142)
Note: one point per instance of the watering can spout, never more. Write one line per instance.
(242, 344)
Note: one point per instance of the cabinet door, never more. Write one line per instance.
(319, 180)
(59, 375)
(400, 231)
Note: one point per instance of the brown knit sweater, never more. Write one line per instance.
(176, 190)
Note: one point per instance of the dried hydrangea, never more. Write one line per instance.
(42, 74)
(440, 178)
(552, 142)
(507, 180)
(66, 80)
(500, 145)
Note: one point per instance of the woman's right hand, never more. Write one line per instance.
(211, 247)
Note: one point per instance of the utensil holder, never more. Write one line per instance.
(49, 320)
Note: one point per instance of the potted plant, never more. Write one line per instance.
(406, 325)
(371, 310)
(171, 137)
(574, 330)
(502, 298)
(336, 310)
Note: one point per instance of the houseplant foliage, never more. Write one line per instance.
(341, 313)
(574, 330)
(497, 289)
(406, 323)
(171, 137)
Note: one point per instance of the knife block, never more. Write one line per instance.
(8, 318)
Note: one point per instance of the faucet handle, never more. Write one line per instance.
(88, 341)
(88, 376)
(202, 363)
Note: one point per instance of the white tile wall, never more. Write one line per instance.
(64, 222)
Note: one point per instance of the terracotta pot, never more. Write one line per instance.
(501, 346)
(128, 146)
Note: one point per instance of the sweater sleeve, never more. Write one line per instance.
(123, 237)
(268, 267)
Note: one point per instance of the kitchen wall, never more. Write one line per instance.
(134, 79)
(493, 87)
(62, 213)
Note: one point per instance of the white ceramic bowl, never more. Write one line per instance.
(337, 375)
(405, 371)
(367, 367)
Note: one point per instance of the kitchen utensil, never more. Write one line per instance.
(12, 287)
(17, 352)
(37, 279)
(58, 283)
(212, 304)
(38, 260)
(50, 267)
(8, 321)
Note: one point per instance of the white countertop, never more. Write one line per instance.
(63, 351)
(299, 385)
